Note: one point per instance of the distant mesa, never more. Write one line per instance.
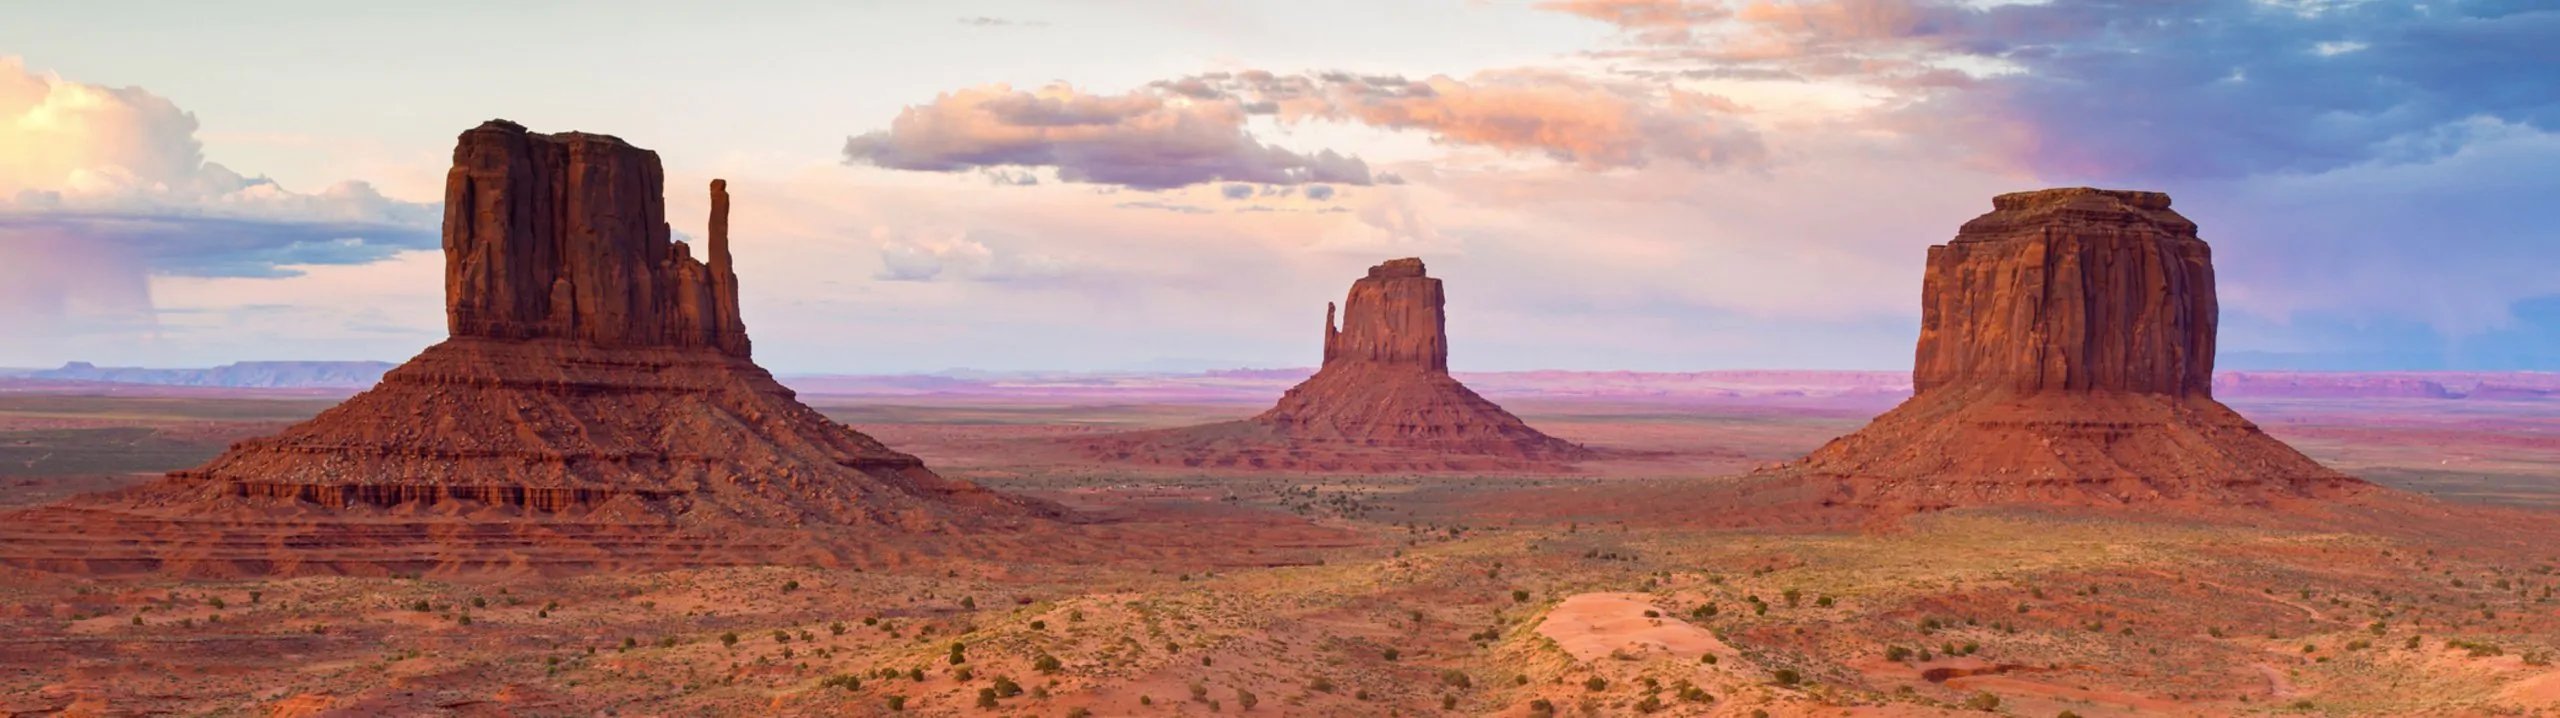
(2066, 355)
(1382, 401)
(595, 406)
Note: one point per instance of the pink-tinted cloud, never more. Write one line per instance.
(1592, 124)
(1139, 139)
(1193, 130)
(1660, 22)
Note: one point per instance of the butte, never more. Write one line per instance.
(1382, 401)
(595, 406)
(2065, 357)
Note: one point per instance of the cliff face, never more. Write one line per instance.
(2071, 290)
(1383, 401)
(1394, 318)
(2065, 356)
(565, 237)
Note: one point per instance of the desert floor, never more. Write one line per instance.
(1461, 595)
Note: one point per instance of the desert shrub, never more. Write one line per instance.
(781, 636)
(1650, 613)
(1005, 687)
(1246, 699)
(1039, 625)
(1519, 596)
(1787, 677)
(1046, 664)
(1649, 704)
(1392, 654)
(836, 627)
(1897, 654)
(1691, 692)
(667, 642)
(1824, 601)
(1595, 684)
(1199, 692)
(1455, 678)
(963, 674)
(1320, 684)
(1793, 596)
(986, 698)
(790, 586)
(897, 703)
(1982, 701)
(1448, 702)
(845, 681)
(1542, 708)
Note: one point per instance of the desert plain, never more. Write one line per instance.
(1589, 591)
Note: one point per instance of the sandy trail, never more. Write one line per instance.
(1592, 625)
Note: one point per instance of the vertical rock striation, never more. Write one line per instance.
(565, 237)
(2066, 355)
(2071, 289)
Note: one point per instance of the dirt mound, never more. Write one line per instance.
(1383, 401)
(2065, 356)
(596, 406)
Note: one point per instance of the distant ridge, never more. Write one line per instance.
(241, 375)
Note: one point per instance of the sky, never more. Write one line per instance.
(1178, 185)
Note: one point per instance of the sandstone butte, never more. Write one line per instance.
(1383, 400)
(596, 405)
(2065, 356)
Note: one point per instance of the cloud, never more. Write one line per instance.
(925, 255)
(110, 185)
(1137, 140)
(1650, 21)
(1319, 192)
(1594, 124)
(1194, 130)
(985, 21)
(2103, 89)
(1236, 191)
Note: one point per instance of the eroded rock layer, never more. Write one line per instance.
(2065, 355)
(597, 393)
(1382, 401)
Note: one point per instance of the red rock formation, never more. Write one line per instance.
(1383, 400)
(597, 387)
(2065, 355)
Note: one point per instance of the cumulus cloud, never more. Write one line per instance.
(1194, 130)
(110, 185)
